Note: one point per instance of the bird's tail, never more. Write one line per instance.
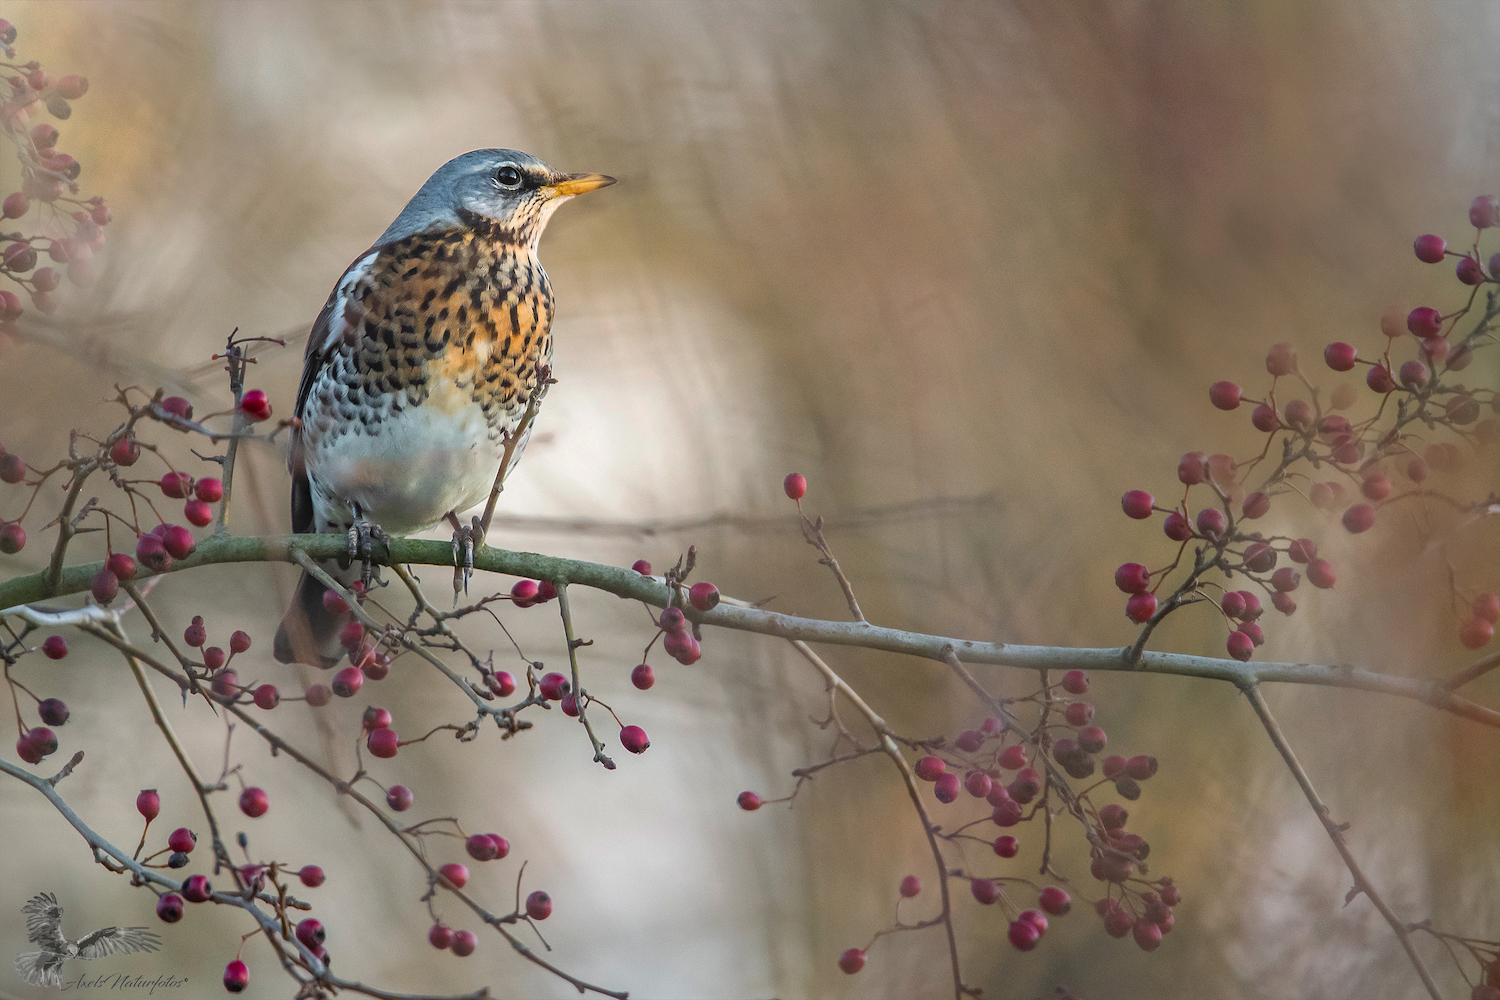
(309, 632)
(32, 967)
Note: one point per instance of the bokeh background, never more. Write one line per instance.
(992, 252)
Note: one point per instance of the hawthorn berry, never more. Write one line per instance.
(169, 908)
(105, 586)
(946, 787)
(503, 683)
(1430, 248)
(225, 682)
(1132, 578)
(1475, 633)
(1007, 813)
(1007, 846)
(53, 711)
(399, 798)
(910, 886)
(1379, 378)
(1055, 901)
(539, 905)
(214, 657)
(176, 485)
(795, 485)
(124, 452)
(255, 406)
(1302, 550)
(455, 873)
(12, 537)
(1424, 322)
(1140, 607)
(1468, 270)
(1027, 785)
(1283, 602)
(351, 634)
(1113, 815)
(1137, 504)
(480, 847)
(642, 567)
(375, 718)
(1013, 757)
(1075, 682)
(1211, 522)
(383, 743)
(1487, 607)
(502, 846)
(196, 889)
(1359, 518)
(1141, 767)
(310, 931)
(239, 642)
(634, 739)
(177, 859)
(1260, 557)
(1091, 739)
(311, 875)
(440, 936)
(969, 740)
(1376, 487)
(853, 959)
(35, 744)
(1265, 418)
(198, 513)
(182, 840)
(55, 646)
(1281, 359)
(1254, 631)
(930, 768)
(347, 682)
(1299, 415)
(464, 943)
(985, 891)
(1079, 713)
(1192, 468)
(553, 686)
(672, 620)
(1413, 374)
(569, 705)
(318, 695)
(1320, 574)
(1224, 395)
(1253, 608)
(1024, 935)
(254, 802)
(1035, 918)
(1147, 934)
(1256, 505)
(1286, 579)
(749, 801)
(1484, 211)
(236, 976)
(1117, 922)
(704, 596)
(1177, 527)
(148, 803)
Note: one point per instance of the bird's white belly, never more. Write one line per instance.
(407, 472)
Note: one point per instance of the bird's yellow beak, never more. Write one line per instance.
(570, 184)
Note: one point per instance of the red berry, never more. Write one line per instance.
(1340, 356)
(15, 205)
(977, 784)
(148, 804)
(1265, 419)
(1117, 922)
(1468, 270)
(1260, 557)
(352, 634)
(642, 567)
(178, 541)
(569, 705)
(910, 886)
(182, 840)
(502, 846)
(1007, 846)
(1024, 935)
(196, 889)
(399, 798)
(1211, 522)
(1079, 713)
(347, 682)
(169, 907)
(1055, 901)
(946, 788)
(546, 591)
(1132, 578)
(1254, 631)
(312, 876)
(1147, 934)
(503, 683)
(105, 586)
(749, 801)
(1252, 606)
(125, 452)
(480, 847)
(1192, 469)
(672, 620)
(1240, 646)
(1007, 813)
(1113, 815)
(236, 976)
(255, 406)
(1487, 607)
(178, 407)
(1137, 504)
(1379, 378)
(524, 593)
(455, 873)
(464, 943)
(1484, 211)
(1035, 919)
(1075, 682)
(1286, 579)
(12, 537)
(1140, 607)
(1177, 527)
(1233, 604)
(440, 936)
(266, 696)
(318, 695)
(383, 743)
(1302, 550)
(1424, 322)
(1256, 505)
(55, 646)
(1224, 395)
(254, 802)
(633, 738)
(311, 932)
(853, 959)
(1283, 602)
(176, 485)
(1476, 633)
(984, 890)
(553, 686)
(375, 718)
(1359, 518)
(539, 905)
(1141, 767)
(121, 565)
(795, 485)
(1013, 757)
(930, 768)
(198, 513)
(1026, 786)
(1429, 248)
(239, 641)
(1091, 739)
(704, 596)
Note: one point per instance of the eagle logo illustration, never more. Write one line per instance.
(44, 929)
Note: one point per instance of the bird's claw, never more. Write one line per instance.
(465, 540)
(362, 537)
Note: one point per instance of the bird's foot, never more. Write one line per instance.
(466, 538)
(363, 535)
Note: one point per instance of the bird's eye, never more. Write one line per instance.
(509, 177)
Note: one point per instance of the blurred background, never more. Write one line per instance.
(984, 252)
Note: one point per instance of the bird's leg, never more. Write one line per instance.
(465, 538)
(362, 536)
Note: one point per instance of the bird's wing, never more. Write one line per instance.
(124, 940)
(44, 922)
(39, 968)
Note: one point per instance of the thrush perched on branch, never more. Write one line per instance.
(423, 371)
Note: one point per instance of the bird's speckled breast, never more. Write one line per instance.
(435, 347)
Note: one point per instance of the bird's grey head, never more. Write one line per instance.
(514, 191)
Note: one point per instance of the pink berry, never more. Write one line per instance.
(1299, 415)
(399, 798)
(1035, 919)
(1023, 935)
(1376, 487)
(266, 696)
(1255, 632)
(1413, 374)
(455, 873)
(1302, 550)
(1013, 757)
(1379, 378)
(1141, 767)
(853, 959)
(910, 886)
(749, 801)
(503, 683)
(1468, 270)
(1137, 504)
(1091, 739)
(311, 876)
(198, 513)
(643, 677)
(1177, 527)
(1240, 645)
(1147, 934)
(352, 634)
(1027, 785)
(480, 847)
(464, 943)
(1224, 395)
(984, 890)
(1476, 633)
(176, 485)
(524, 593)
(930, 768)
(1192, 469)
(1340, 356)
(1265, 419)
(1281, 359)
(178, 541)
(440, 936)
(1132, 578)
(169, 907)
(255, 406)
(977, 784)
(196, 889)
(1007, 846)
(1079, 713)
(1233, 604)
(1424, 322)
(1256, 505)
(1055, 901)
(539, 905)
(704, 596)
(1359, 518)
(569, 705)
(126, 451)
(347, 682)
(1286, 579)
(55, 646)
(178, 407)
(633, 738)
(236, 976)
(1484, 211)
(1140, 607)
(553, 686)
(1252, 608)
(182, 840)
(1429, 248)
(1260, 557)
(105, 586)
(12, 537)
(383, 743)
(1487, 607)
(795, 485)
(148, 803)
(642, 567)
(318, 695)
(672, 620)
(1075, 682)
(311, 932)
(254, 802)
(209, 490)
(1211, 522)
(946, 787)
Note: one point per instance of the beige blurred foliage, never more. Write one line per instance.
(911, 250)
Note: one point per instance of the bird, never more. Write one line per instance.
(44, 928)
(420, 368)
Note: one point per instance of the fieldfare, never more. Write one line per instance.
(420, 366)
